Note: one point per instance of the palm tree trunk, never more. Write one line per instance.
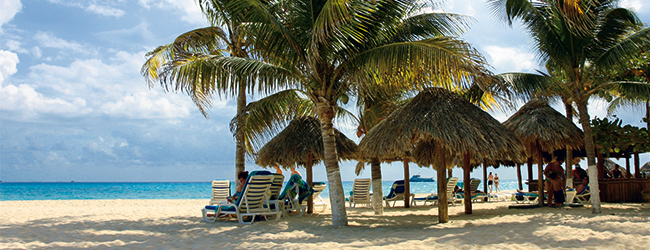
(377, 196)
(591, 156)
(337, 197)
(240, 148)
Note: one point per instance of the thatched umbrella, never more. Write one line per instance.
(436, 126)
(542, 128)
(301, 143)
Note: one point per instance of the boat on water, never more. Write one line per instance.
(419, 178)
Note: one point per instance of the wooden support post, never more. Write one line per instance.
(407, 183)
(310, 180)
(521, 186)
(467, 190)
(530, 173)
(637, 171)
(540, 175)
(443, 207)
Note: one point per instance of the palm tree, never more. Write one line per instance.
(188, 64)
(332, 49)
(582, 42)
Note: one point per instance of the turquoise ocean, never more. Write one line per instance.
(160, 190)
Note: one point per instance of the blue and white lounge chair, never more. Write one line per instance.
(433, 198)
(252, 202)
(396, 193)
(294, 195)
(274, 192)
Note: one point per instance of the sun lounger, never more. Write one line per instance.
(251, 204)
(274, 192)
(433, 198)
(396, 193)
(220, 191)
(360, 192)
(318, 201)
(584, 197)
(293, 196)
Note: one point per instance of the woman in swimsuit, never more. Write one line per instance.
(554, 181)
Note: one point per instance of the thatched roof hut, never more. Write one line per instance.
(440, 115)
(435, 127)
(543, 129)
(536, 121)
(298, 140)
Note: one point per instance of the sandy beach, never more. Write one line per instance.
(177, 224)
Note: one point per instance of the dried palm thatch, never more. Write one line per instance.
(300, 138)
(536, 121)
(437, 116)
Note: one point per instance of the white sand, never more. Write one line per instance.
(177, 224)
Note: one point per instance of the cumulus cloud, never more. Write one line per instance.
(635, 5)
(136, 35)
(8, 62)
(191, 11)
(145, 105)
(510, 59)
(8, 9)
(24, 98)
(50, 41)
(100, 7)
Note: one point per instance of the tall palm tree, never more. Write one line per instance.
(188, 64)
(582, 42)
(332, 49)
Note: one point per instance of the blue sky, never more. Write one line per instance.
(73, 105)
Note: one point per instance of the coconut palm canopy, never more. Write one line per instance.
(438, 115)
(301, 137)
(536, 121)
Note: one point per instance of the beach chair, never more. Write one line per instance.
(396, 193)
(251, 204)
(360, 192)
(220, 191)
(584, 197)
(318, 201)
(522, 197)
(433, 198)
(274, 192)
(293, 196)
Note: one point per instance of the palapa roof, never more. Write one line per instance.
(439, 115)
(301, 137)
(537, 121)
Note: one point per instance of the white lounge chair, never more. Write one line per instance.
(274, 192)
(396, 193)
(433, 198)
(318, 201)
(294, 195)
(220, 191)
(252, 202)
(360, 192)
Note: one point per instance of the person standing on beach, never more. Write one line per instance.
(490, 181)
(496, 182)
(554, 181)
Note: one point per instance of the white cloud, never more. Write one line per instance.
(94, 6)
(145, 105)
(50, 41)
(8, 9)
(25, 98)
(8, 62)
(191, 11)
(634, 5)
(509, 59)
(105, 10)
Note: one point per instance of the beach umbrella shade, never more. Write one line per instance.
(645, 168)
(541, 128)
(436, 126)
(301, 144)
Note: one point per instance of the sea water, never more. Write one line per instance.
(162, 190)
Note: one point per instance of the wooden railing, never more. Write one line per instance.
(623, 190)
